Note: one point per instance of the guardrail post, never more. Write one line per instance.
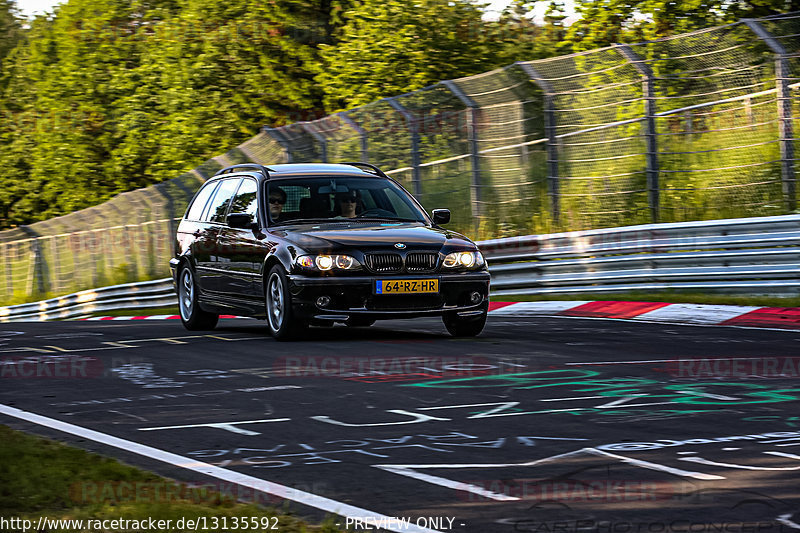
(362, 133)
(648, 91)
(323, 142)
(281, 140)
(413, 128)
(785, 126)
(552, 139)
(472, 133)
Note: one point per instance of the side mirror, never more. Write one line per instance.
(441, 216)
(240, 220)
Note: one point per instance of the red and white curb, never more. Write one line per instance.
(697, 314)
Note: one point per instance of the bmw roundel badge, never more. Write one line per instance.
(399, 245)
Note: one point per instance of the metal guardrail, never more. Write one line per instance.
(749, 256)
(141, 295)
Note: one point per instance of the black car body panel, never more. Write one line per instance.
(230, 264)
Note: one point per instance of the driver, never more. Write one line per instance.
(347, 202)
(277, 199)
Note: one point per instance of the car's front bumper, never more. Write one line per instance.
(353, 296)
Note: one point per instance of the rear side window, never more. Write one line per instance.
(218, 207)
(245, 200)
(200, 201)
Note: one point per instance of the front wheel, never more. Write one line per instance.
(282, 323)
(193, 318)
(459, 326)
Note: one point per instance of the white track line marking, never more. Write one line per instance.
(786, 519)
(282, 491)
(450, 484)
(590, 451)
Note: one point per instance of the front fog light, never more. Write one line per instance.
(323, 301)
(475, 297)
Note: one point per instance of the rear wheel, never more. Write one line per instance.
(193, 318)
(459, 326)
(282, 323)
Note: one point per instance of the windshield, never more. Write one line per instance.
(339, 199)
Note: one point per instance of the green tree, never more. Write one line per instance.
(10, 28)
(625, 21)
(108, 96)
(387, 48)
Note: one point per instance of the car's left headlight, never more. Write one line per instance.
(328, 262)
(463, 260)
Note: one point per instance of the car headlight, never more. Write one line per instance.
(463, 260)
(327, 262)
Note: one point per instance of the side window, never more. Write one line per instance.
(200, 201)
(218, 207)
(245, 200)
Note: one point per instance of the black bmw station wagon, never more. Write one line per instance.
(318, 244)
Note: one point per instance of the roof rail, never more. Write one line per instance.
(255, 166)
(366, 166)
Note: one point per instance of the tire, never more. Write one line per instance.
(464, 326)
(282, 323)
(193, 318)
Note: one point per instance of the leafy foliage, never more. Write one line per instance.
(105, 96)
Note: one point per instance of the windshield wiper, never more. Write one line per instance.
(390, 219)
(304, 221)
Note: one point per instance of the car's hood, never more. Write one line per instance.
(413, 236)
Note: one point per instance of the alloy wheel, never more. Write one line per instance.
(186, 296)
(275, 302)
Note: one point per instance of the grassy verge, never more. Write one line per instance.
(686, 298)
(139, 312)
(47, 478)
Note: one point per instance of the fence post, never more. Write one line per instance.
(413, 129)
(37, 272)
(552, 139)
(648, 92)
(362, 133)
(323, 142)
(281, 140)
(472, 132)
(785, 126)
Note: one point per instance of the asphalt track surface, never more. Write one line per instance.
(539, 424)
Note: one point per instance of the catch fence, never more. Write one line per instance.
(698, 126)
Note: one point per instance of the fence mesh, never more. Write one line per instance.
(694, 127)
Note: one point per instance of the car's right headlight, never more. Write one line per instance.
(463, 260)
